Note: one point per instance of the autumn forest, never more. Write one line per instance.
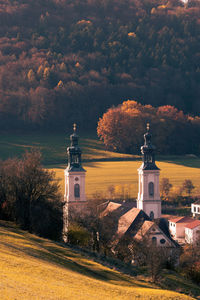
(64, 61)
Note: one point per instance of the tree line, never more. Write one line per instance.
(68, 61)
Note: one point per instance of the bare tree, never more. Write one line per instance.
(189, 262)
(188, 186)
(145, 252)
(165, 187)
(31, 194)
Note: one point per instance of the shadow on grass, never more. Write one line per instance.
(54, 253)
(183, 285)
(187, 161)
(93, 163)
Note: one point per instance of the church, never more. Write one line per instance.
(124, 221)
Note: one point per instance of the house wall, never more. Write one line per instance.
(188, 235)
(177, 230)
(180, 230)
(159, 239)
(192, 236)
(195, 209)
(172, 228)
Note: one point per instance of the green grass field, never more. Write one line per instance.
(104, 168)
(35, 268)
(53, 147)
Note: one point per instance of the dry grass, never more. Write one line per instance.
(35, 268)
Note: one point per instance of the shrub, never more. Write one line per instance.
(78, 236)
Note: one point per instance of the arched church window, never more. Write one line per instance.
(77, 190)
(151, 188)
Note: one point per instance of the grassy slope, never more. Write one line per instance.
(35, 268)
(100, 174)
(53, 147)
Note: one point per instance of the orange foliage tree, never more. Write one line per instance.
(121, 128)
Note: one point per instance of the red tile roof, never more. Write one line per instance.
(181, 220)
(193, 224)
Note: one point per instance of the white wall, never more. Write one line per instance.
(192, 236)
(146, 202)
(172, 228)
(71, 178)
(195, 209)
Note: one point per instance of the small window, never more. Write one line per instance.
(151, 189)
(162, 241)
(151, 215)
(77, 190)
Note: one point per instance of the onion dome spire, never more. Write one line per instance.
(74, 137)
(148, 152)
(74, 152)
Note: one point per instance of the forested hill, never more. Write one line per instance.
(69, 60)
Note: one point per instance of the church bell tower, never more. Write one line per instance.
(149, 193)
(74, 197)
(74, 173)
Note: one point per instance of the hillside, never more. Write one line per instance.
(35, 268)
(68, 61)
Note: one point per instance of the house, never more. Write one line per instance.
(192, 232)
(195, 209)
(123, 224)
(177, 226)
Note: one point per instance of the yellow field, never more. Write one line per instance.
(100, 175)
(35, 268)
